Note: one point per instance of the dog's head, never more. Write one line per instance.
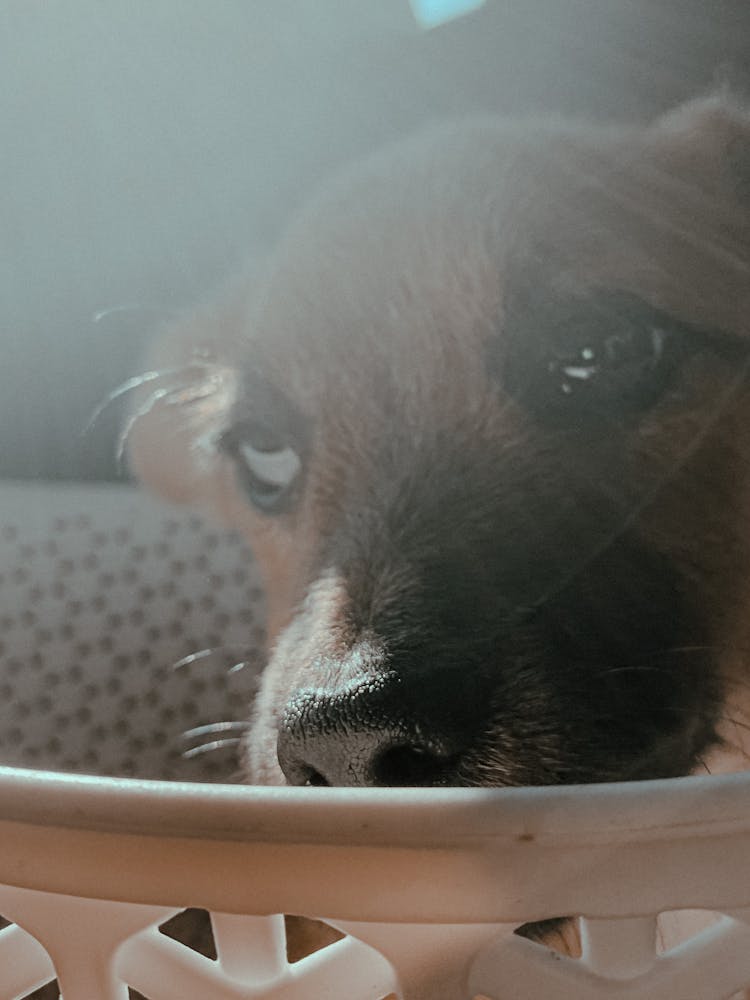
(485, 420)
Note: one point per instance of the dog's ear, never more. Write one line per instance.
(714, 132)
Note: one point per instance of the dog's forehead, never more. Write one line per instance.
(399, 271)
(390, 262)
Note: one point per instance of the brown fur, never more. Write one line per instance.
(447, 535)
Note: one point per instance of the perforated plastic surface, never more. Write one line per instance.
(105, 596)
(102, 592)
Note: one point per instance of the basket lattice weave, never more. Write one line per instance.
(124, 625)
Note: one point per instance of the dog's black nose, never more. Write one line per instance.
(360, 736)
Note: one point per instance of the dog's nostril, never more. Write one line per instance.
(369, 760)
(406, 766)
(316, 780)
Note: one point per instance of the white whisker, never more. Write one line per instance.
(127, 386)
(200, 654)
(201, 362)
(174, 396)
(214, 727)
(131, 307)
(210, 747)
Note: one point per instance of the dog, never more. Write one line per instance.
(484, 418)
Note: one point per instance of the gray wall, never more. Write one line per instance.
(147, 145)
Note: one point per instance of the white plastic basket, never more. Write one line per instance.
(101, 593)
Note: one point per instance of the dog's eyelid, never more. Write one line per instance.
(265, 412)
(653, 317)
(259, 434)
(729, 347)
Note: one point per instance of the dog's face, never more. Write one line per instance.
(485, 420)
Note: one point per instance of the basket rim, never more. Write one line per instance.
(689, 807)
(401, 855)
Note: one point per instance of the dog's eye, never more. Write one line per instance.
(610, 358)
(624, 365)
(268, 466)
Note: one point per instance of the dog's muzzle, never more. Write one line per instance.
(363, 734)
